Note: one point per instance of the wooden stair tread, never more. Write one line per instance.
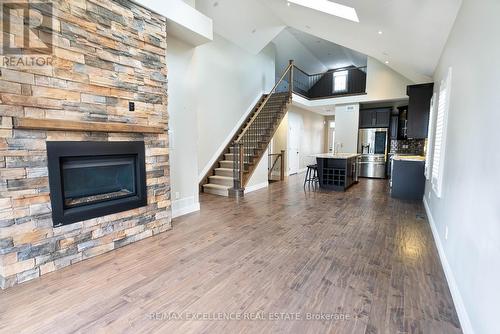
(221, 177)
(216, 186)
(224, 169)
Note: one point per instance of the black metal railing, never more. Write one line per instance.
(255, 136)
(322, 85)
(276, 166)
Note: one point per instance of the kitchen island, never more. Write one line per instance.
(337, 171)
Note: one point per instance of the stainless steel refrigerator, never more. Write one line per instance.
(372, 145)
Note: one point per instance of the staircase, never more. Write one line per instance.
(235, 166)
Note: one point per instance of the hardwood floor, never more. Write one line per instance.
(360, 255)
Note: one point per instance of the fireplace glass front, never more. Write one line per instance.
(93, 179)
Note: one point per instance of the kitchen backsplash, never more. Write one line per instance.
(409, 146)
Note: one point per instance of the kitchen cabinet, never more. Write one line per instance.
(365, 118)
(407, 179)
(374, 118)
(418, 110)
(402, 123)
(394, 128)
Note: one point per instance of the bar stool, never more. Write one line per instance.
(311, 176)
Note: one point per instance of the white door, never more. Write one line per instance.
(294, 134)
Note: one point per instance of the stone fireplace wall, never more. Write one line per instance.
(105, 55)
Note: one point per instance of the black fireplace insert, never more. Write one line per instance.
(94, 179)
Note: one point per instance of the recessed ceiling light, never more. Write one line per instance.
(380, 32)
(387, 62)
(288, 4)
(329, 7)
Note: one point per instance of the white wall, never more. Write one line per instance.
(383, 83)
(183, 134)
(470, 203)
(184, 22)
(259, 177)
(229, 81)
(211, 89)
(312, 139)
(280, 140)
(288, 47)
(346, 128)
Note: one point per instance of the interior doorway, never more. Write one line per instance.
(294, 135)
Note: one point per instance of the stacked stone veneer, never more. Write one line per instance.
(106, 53)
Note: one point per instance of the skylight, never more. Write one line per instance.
(329, 7)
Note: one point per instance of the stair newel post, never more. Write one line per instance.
(241, 167)
(290, 85)
(282, 167)
(238, 170)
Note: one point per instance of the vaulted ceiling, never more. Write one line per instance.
(413, 33)
(329, 54)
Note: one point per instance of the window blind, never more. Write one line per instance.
(430, 138)
(440, 135)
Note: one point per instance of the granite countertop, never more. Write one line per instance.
(336, 155)
(408, 157)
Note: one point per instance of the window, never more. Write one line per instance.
(440, 135)
(430, 141)
(340, 81)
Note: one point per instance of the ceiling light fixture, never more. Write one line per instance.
(380, 32)
(288, 4)
(329, 7)
(387, 62)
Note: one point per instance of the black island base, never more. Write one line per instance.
(337, 172)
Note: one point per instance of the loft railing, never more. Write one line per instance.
(321, 85)
(251, 139)
(276, 166)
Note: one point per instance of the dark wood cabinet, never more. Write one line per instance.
(366, 118)
(375, 118)
(419, 110)
(402, 122)
(408, 180)
(383, 118)
(394, 128)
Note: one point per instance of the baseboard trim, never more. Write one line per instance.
(256, 187)
(450, 278)
(221, 148)
(299, 171)
(185, 206)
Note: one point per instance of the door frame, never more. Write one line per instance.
(290, 150)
